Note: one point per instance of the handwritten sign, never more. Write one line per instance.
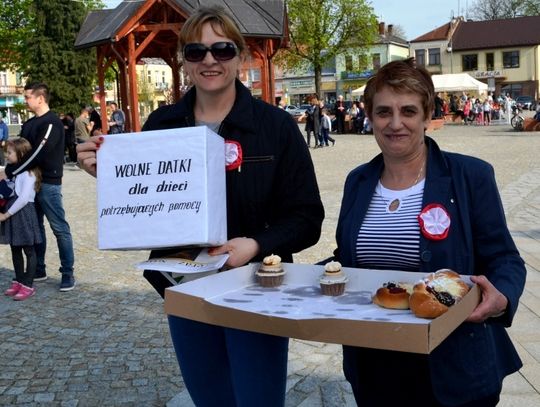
(161, 188)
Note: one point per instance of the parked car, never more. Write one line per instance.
(526, 102)
(295, 110)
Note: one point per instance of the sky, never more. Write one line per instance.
(416, 17)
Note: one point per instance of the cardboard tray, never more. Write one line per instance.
(297, 308)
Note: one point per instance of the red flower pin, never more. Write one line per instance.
(434, 222)
(233, 155)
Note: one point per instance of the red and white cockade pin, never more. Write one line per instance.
(233, 155)
(434, 222)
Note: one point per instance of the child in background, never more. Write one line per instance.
(326, 126)
(20, 228)
(486, 106)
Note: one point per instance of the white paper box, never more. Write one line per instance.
(297, 309)
(161, 189)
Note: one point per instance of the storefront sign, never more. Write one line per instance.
(488, 74)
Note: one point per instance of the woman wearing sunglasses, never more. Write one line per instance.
(273, 206)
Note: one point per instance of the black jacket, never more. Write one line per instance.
(50, 158)
(273, 197)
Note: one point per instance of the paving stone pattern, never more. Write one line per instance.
(106, 343)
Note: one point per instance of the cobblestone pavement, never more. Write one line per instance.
(106, 343)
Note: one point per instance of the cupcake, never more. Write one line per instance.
(271, 272)
(333, 280)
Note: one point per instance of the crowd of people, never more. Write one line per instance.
(476, 110)
(275, 207)
(78, 130)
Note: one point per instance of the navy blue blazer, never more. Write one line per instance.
(472, 362)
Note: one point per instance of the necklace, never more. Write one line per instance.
(395, 203)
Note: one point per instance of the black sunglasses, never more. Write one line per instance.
(221, 51)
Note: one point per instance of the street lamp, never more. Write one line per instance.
(449, 50)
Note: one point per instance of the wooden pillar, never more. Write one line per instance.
(175, 66)
(271, 77)
(124, 102)
(102, 67)
(132, 82)
(264, 72)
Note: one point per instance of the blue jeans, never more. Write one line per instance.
(323, 136)
(228, 367)
(49, 204)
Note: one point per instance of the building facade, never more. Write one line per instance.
(354, 71)
(11, 95)
(504, 54)
(344, 73)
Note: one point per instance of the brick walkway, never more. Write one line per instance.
(107, 342)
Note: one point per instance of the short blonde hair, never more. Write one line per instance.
(222, 24)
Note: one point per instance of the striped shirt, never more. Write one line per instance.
(389, 237)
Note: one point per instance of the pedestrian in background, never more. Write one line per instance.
(95, 118)
(69, 132)
(45, 132)
(310, 124)
(20, 228)
(83, 126)
(4, 136)
(118, 119)
(326, 126)
(273, 206)
(316, 119)
(340, 111)
(330, 128)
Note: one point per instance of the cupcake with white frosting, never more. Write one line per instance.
(271, 272)
(333, 280)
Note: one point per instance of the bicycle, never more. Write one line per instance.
(517, 120)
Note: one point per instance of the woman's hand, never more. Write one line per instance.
(4, 216)
(241, 250)
(493, 303)
(86, 154)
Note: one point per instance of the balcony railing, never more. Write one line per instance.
(11, 90)
(161, 85)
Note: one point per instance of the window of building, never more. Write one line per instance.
(470, 62)
(512, 89)
(434, 55)
(376, 61)
(348, 63)
(149, 76)
(255, 75)
(490, 61)
(3, 78)
(420, 56)
(511, 59)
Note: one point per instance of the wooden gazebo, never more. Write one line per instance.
(149, 29)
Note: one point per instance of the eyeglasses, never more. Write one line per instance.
(221, 51)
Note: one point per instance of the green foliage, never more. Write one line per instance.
(322, 29)
(15, 27)
(51, 57)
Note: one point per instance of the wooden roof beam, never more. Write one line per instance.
(162, 27)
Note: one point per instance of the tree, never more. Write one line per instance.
(497, 9)
(399, 31)
(51, 56)
(15, 27)
(322, 29)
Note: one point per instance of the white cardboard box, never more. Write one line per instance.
(161, 189)
(297, 309)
